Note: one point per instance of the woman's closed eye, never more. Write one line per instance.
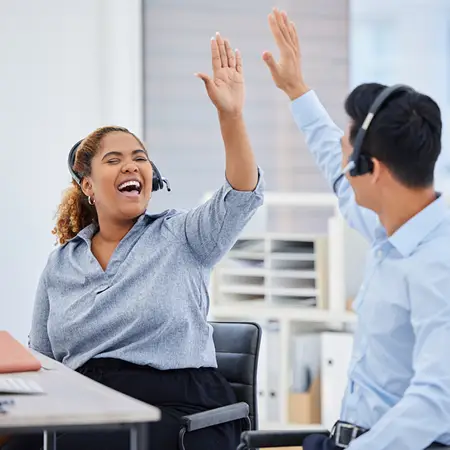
(116, 160)
(113, 161)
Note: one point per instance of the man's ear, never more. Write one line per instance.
(378, 169)
(86, 187)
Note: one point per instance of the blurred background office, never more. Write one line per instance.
(70, 67)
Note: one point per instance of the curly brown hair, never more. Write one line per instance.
(74, 212)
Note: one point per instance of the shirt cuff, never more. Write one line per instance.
(306, 109)
(241, 197)
(259, 184)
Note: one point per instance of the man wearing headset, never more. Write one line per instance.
(398, 393)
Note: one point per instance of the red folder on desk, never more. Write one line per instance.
(14, 357)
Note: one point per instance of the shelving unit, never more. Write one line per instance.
(280, 281)
(278, 270)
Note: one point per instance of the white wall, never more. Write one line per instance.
(66, 68)
(405, 41)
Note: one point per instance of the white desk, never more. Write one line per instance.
(73, 402)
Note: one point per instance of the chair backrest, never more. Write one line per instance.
(237, 350)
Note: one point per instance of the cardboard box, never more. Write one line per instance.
(348, 304)
(304, 407)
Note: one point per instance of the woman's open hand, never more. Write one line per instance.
(226, 87)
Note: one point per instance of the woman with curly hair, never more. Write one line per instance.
(123, 299)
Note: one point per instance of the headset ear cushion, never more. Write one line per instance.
(366, 164)
(363, 165)
(156, 185)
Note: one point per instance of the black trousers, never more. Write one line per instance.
(175, 392)
(318, 442)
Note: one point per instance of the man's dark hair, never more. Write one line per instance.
(405, 134)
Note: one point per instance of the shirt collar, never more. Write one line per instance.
(416, 229)
(88, 232)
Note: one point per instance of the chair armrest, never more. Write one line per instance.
(291, 438)
(215, 416)
(265, 439)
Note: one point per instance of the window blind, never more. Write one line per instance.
(181, 126)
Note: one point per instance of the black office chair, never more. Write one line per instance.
(237, 350)
(294, 438)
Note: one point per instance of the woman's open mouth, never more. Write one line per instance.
(131, 188)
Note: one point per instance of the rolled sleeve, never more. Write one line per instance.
(212, 228)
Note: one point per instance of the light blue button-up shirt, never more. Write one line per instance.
(399, 375)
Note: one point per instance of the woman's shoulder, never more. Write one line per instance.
(167, 218)
(171, 223)
(56, 254)
(164, 215)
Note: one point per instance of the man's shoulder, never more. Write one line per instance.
(434, 250)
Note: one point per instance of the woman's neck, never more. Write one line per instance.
(113, 233)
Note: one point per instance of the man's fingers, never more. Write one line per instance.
(290, 27)
(281, 22)
(222, 51)
(293, 31)
(215, 55)
(271, 63)
(230, 55)
(280, 40)
(238, 61)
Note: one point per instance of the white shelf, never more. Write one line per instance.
(243, 289)
(261, 272)
(258, 310)
(238, 254)
(299, 199)
(262, 290)
(293, 292)
(293, 256)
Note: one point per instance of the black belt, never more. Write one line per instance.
(343, 433)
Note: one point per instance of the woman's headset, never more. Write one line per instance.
(359, 163)
(158, 181)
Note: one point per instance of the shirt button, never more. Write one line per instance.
(379, 253)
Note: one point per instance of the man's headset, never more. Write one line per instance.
(158, 180)
(359, 163)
